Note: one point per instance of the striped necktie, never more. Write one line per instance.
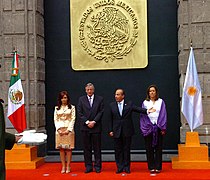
(90, 101)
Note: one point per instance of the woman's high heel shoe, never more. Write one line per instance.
(68, 170)
(63, 170)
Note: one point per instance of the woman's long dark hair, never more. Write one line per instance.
(156, 89)
(60, 96)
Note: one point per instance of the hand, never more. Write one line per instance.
(17, 138)
(66, 132)
(111, 134)
(163, 132)
(151, 110)
(60, 132)
(91, 124)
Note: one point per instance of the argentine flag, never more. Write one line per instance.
(191, 97)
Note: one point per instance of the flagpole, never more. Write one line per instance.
(15, 70)
(1, 100)
(190, 51)
(191, 129)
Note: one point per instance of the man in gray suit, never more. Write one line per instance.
(90, 111)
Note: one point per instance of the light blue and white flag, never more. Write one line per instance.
(191, 97)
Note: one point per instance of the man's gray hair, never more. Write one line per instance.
(90, 84)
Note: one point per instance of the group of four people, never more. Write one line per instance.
(90, 110)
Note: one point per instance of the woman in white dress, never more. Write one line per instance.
(64, 119)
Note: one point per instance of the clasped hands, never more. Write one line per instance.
(91, 124)
(66, 132)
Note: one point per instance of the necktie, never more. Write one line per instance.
(90, 101)
(120, 108)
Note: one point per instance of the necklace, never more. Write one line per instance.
(64, 108)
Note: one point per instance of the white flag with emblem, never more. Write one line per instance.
(16, 106)
(191, 97)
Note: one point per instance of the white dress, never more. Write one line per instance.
(64, 119)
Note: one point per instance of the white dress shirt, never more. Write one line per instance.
(120, 106)
(156, 105)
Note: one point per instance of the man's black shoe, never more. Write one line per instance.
(119, 171)
(127, 171)
(88, 170)
(98, 170)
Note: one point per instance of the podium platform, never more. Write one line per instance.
(192, 154)
(23, 157)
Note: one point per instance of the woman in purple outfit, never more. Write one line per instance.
(153, 127)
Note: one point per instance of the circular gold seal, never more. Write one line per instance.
(108, 31)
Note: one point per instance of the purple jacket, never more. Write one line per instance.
(145, 124)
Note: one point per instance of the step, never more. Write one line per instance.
(21, 153)
(176, 164)
(23, 157)
(25, 164)
(190, 153)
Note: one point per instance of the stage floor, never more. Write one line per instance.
(139, 171)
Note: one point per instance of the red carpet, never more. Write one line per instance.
(51, 171)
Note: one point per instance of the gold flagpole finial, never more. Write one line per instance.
(16, 68)
(190, 42)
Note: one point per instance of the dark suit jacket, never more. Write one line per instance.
(94, 113)
(7, 141)
(123, 124)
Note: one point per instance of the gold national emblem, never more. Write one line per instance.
(192, 90)
(108, 34)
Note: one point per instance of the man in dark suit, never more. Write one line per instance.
(7, 141)
(90, 110)
(122, 129)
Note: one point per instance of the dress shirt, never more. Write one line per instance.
(90, 99)
(156, 105)
(120, 106)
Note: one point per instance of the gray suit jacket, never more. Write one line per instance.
(94, 113)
